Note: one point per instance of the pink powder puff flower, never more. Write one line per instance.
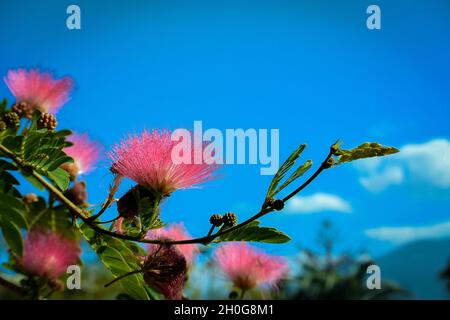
(175, 232)
(247, 267)
(48, 254)
(85, 154)
(147, 159)
(39, 89)
(165, 269)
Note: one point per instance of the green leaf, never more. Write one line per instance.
(148, 212)
(63, 133)
(253, 232)
(13, 236)
(43, 150)
(7, 180)
(285, 167)
(60, 177)
(3, 105)
(13, 143)
(58, 162)
(120, 257)
(296, 174)
(365, 150)
(13, 210)
(56, 219)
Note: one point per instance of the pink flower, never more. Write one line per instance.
(147, 159)
(165, 269)
(48, 254)
(85, 153)
(175, 232)
(247, 267)
(39, 89)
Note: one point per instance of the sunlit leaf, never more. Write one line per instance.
(60, 177)
(253, 232)
(296, 174)
(365, 150)
(284, 168)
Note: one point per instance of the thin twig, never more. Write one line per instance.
(211, 230)
(123, 276)
(110, 199)
(108, 221)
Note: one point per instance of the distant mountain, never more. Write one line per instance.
(416, 267)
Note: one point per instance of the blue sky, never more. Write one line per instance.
(308, 68)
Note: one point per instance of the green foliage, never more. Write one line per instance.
(331, 276)
(60, 177)
(148, 213)
(38, 150)
(253, 232)
(7, 180)
(12, 209)
(284, 169)
(3, 106)
(41, 150)
(343, 279)
(120, 257)
(12, 235)
(365, 150)
(41, 215)
(296, 174)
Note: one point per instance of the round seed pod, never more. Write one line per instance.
(23, 109)
(277, 204)
(11, 119)
(229, 219)
(47, 121)
(216, 220)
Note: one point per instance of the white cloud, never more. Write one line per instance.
(316, 203)
(424, 164)
(399, 235)
(383, 178)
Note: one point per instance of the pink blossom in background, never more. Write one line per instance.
(175, 232)
(48, 254)
(248, 267)
(85, 153)
(147, 159)
(117, 225)
(165, 269)
(39, 89)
